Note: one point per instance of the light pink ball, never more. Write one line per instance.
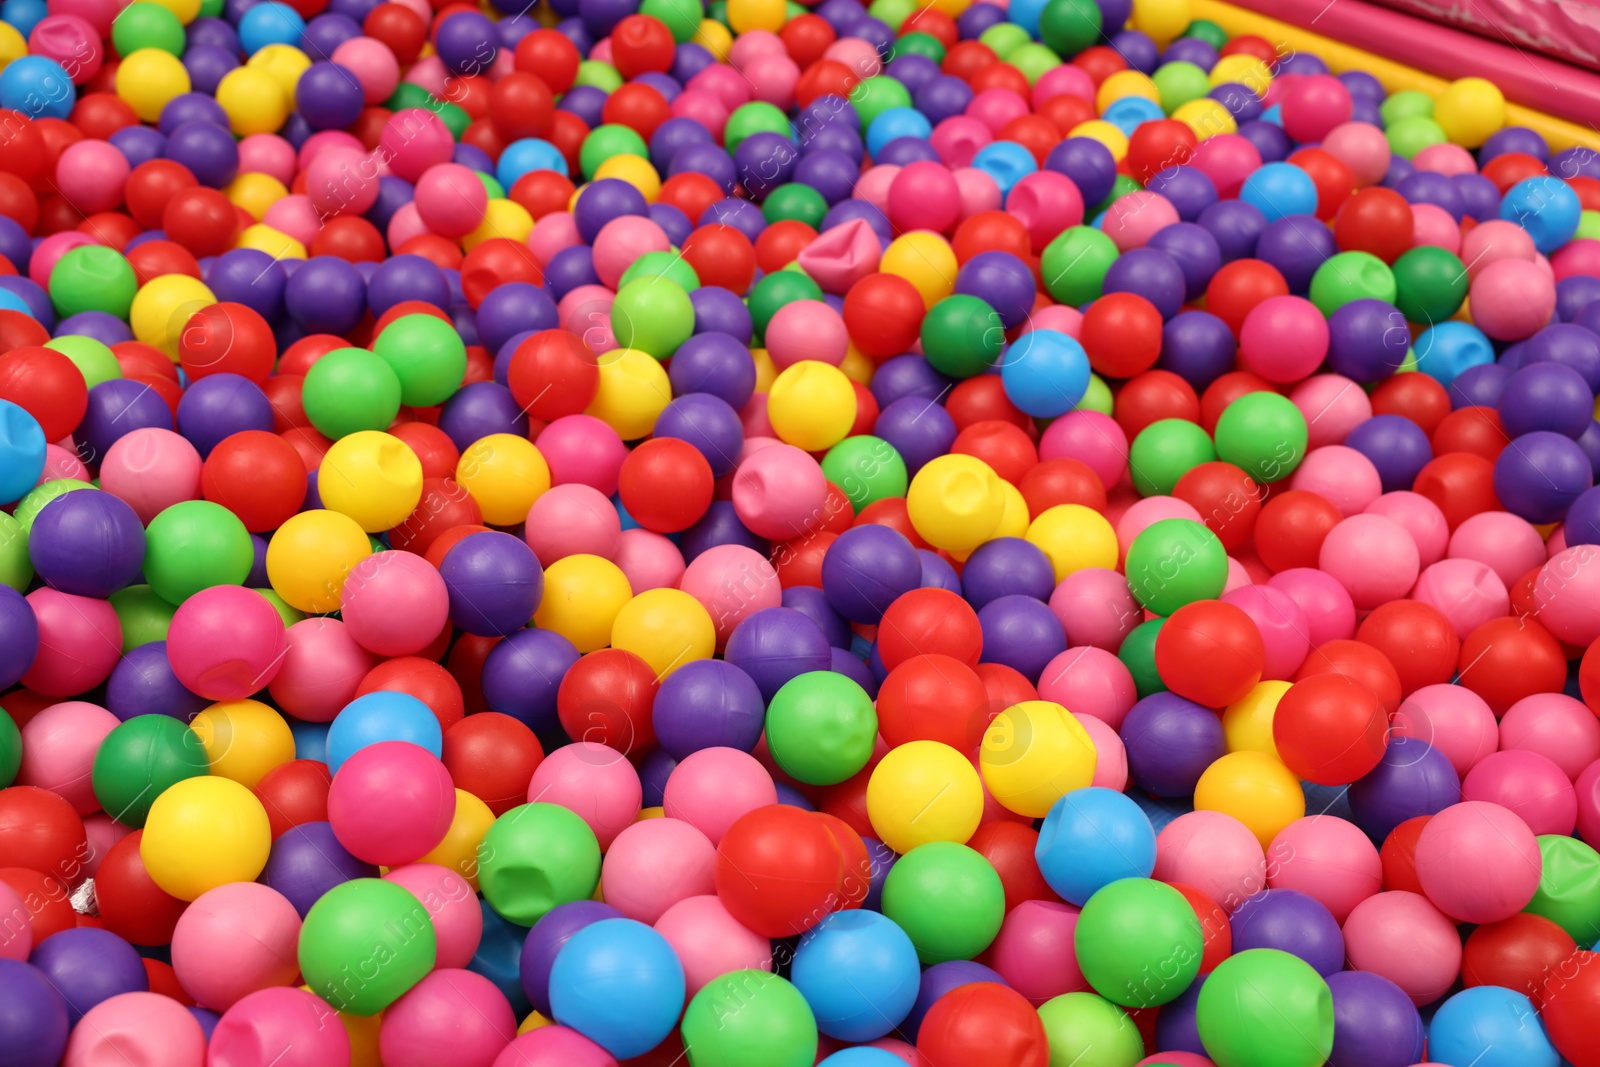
(394, 603)
(1090, 681)
(58, 750)
(1110, 754)
(1034, 951)
(711, 788)
(958, 140)
(1511, 299)
(1489, 242)
(873, 186)
(16, 926)
(648, 560)
(151, 469)
(1556, 726)
(756, 423)
(296, 216)
(595, 782)
(654, 864)
(374, 66)
(1062, 319)
(1342, 476)
(571, 520)
(857, 54)
(1134, 218)
(1090, 438)
(280, 1027)
(1363, 148)
(62, 465)
(1372, 557)
(101, 831)
(234, 940)
(751, 44)
(586, 311)
(1451, 718)
(391, 803)
(1330, 612)
(451, 199)
(1096, 608)
(227, 642)
(710, 942)
(1567, 593)
(723, 82)
(551, 234)
(321, 670)
(323, 139)
(732, 582)
(1403, 937)
(413, 139)
(1532, 786)
(1238, 577)
(267, 153)
(136, 1028)
(342, 180)
(553, 1046)
(841, 256)
(452, 907)
(806, 330)
(622, 241)
(1213, 852)
(91, 174)
(1447, 159)
(1146, 513)
(452, 1016)
(582, 449)
(979, 192)
(1433, 225)
(1478, 862)
(1327, 858)
(1421, 518)
(1507, 543)
(779, 492)
(1065, 80)
(1285, 631)
(1465, 591)
(1557, 542)
(774, 77)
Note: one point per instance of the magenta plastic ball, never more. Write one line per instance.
(1089, 437)
(151, 469)
(321, 670)
(710, 942)
(1285, 631)
(451, 1016)
(1478, 862)
(1534, 788)
(806, 330)
(1091, 681)
(779, 492)
(732, 582)
(226, 642)
(451, 199)
(553, 1046)
(414, 140)
(1145, 513)
(1096, 608)
(391, 802)
(572, 520)
(452, 907)
(1034, 951)
(1326, 858)
(654, 864)
(234, 940)
(1451, 718)
(649, 560)
(80, 641)
(1134, 218)
(1213, 852)
(594, 781)
(58, 750)
(582, 449)
(394, 603)
(280, 1027)
(711, 788)
(1283, 339)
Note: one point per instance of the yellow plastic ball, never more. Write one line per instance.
(253, 100)
(812, 405)
(767, 371)
(1242, 69)
(1163, 20)
(633, 391)
(162, 308)
(634, 170)
(1033, 754)
(12, 44)
(924, 791)
(149, 79)
(310, 556)
(955, 502)
(714, 37)
(924, 259)
(244, 739)
(533, 1022)
(363, 1033)
(1114, 139)
(857, 365)
(373, 477)
(1253, 788)
(666, 628)
(202, 833)
(657, 812)
(505, 474)
(1206, 117)
(1470, 110)
(747, 15)
(1247, 722)
(1014, 519)
(502, 218)
(274, 243)
(255, 193)
(953, 8)
(459, 849)
(582, 597)
(285, 63)
(1074, 537)
(186, 10)
(1124, 84)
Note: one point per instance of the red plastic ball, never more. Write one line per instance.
(99, 115)
(25, 150)
(111, 228)
(444, 506)
(1460, 483)
(929, 622)
(154, 258)
(691, 193)
(640, 43)
(1061, 481)
(806, 37)
(46, 897)
(637, 106)
(40, 831)
(1000, 76)
(933, 22)
(892, 512)
(294, 794)
(1099, 62)
(855, 870)
(1006, 686)
(256, 475)
(1569, 1003)
(1332, 176)
(1509, 658)
(1214, 926)
(1375, 220)
(47, 385)
(17, 201)
(298, 357)
(967, 58)
(567, 133)
(553, 373)
(1329, 729)
(201, 220)
(1399, 856)
(1509, 168)
(1153, 396)
(721, 255)
(1251, 45)
(1291, 528)
(131, 905)
(988, 231)
(825, 77)
(350, 238)
(1238, 287)
(1010, 848)
(227, 338)
(778, 870)
(1361, 663)
(665, 484)
(1423, 401)
(837, 514)
(1035, 133)
(1417, 639)
(799, 562)
(1473, 429)
(883, 314)
(496, 262)
(1228, 500)
(440, 251)
(542, 192)
(398, 27)
(933, 698)
(1224, 391)
(470, 93)
(551, 55)
(493, 757)
(151, 185)
(1067, 112)
(310, 445)
(1210, 652)
(781, 243)
(1157, 145)
(982, 398)
(432, 446)
(1002, 445)
(1515, 953)
(984, 1024)
(57, 214)
(1121, 332)
(424, 679)
(607, 697)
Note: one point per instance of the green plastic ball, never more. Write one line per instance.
(141, 758)
(776, 290)
(892, 12)
(873, 96)
(758, 116)
(962, 336)
(601, 76)
(947, 898)
(16, 568)
(795, 201)
(867, 468)
(1178, 83)
(920, 44)
(606, 141)
(1406, 105)
(682, 17)
(147, 25)
(653, 315)
(1569, 887)
(195, 545)
(1138, 943)
(36, 498)
(426, 355)
(94, 278)
(1589, 226)
(1264, 435)
(1074, 265)
(1174, 562)
(1207, 31)
(211, 8)
(351, 389)
(535, 857)
(454, 116)
(1266, 1008)
(1097, 397)
(1430, 284)
(1138, 653)
(1003, 38)
(491, 185)
(10, 749)
(145, 617)
(1165, 451)
(669, 265)
(364, 943)
(1410, 136)
(94, 360)
(821, 727)
(408, 95)
(1034, 60)
(1086, 1030)
(1070, 26)
(1121, 187)
(749, 1019)
(291, 615)
(717, 11)
(1351, 276)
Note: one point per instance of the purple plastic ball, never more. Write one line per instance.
(1412, 779)
(1021, 633)
(522, 674)
(1291, 922)
(191, 107)
(1195, 251)
(87, 544)
(1480, 197)
(467, 43)
(937, 573)
(220, 405)
(709, 424)
(100, 325)
(830, 171)
(570, 268)
(977, 18)
(1269, 139)
(654, 770)
(142, 683)
(1088, 163)
(813, 602)
(1509, 139)
(141, 144)
(1137, 49)
(1297, 245)
(327, 32)
(306, 861)
(1002, 281)
(1574, 294)
(866, 569)
(1367, 340)
(1546, 396)
(917, 428)
(774, 645)
(88, 965)
(407, 277)
(943, 97)
(328, 95)
(940, 979)
(509, 309)
(1197, 346)
(1236, 226)
(35, 1023)
(1007, 566)
(907, 376)
(326, 295)
(605, 200)
(1430, 187)
(1241, 101)
(1170, 743)
(1177, 1025)
(673, 222)
(673, 134)
(711, 160)
(547, 937)
(19, 635)
(1191, 50)
(719, 310)
(116, 408)
(495, 583)
(913, 71)
(1152, 274)
(708, 703)
(904, 151)
(1374, 1022)
(1188, 188)
(209, 151)
(742, 215)
(1397, 447)
(1479, 386)
(717, 364)
(851, 209)
(478, 410)
(1540, 474)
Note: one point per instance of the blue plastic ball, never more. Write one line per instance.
(1546, 207)
(22, 452)
(382, 716)
(1490, 1026)
(36, 86)
(1045, 373)
(1280, 189)
(1091, 838)
(883, 974)
(618, 983)
(270, 23)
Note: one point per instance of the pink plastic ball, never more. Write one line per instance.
(1567, 593)
(1403, 937)
(586, 311)
(394, 603)
(1175, 1059)
(779, 492)
(1587, 788)
(995, 108)
(227, 642)
(1421, 518)
(623, 240)
(571, 520)
(80, 641)
(1532, 786)
(1062, 319)
(711, 788)
(859, 55)
(1465, 591)
(1284, 627)
(296, 216)
(757, 424)
(72, 42)
(654, 864)
(752, 43)
(1315, 104)
(1046, 203)
(924, 196)
(1478, 862)
(1557, 543)
(413, 139)
(1091, 438)
(101, 832)
(958, 140)
(1340, 475)
(60, 464)
(373, 65)
(553, 1046)
(595, 782)
(16, 926)
(136, 1028)
(1451, 718)
(1146, 513)
(1363, 148)
(1511, 299)
(703, 108)
(1433, 225)
(320, 141)
(873, 186)
(452, 1016)
(58, 750)
(1577, 257)
(1327, 858)
(391, 803)
(49, 252)
(725, 83)
(581, 449)
(1227, 159)
(1448, 159)
(1238, 577)
(1096, 608)
(321, 670)
(1333, 405)
(709, 941)
(342, 180)
(452, 907)
(234, 940)
(1490, 242)
(1111, 756)
(840, 257)
(1213, 852)
(1134, 218)
(649, 560)
(551, 234)
(1372, 557)
(151, 469)
(280, 1027)
(1034, 952)
(1064, 80)
(732, 582)
(267, 153)
(1090, 681)
(451, 199)
(774, 78)
(807, 330)
(1284, 338)
(1555, 726)
(978, 191)
(1330, 613)
(91, 174)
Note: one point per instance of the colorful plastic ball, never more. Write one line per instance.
(1138, 942)
(776, 1023)
(1491, 1025)
(1210, 652)
(234, 940)
(983, 1023)
(225, 643)
(1263, 1006)
(348, 924)
(924, 791)
(885, 966)
(137, 1025)
(626, 1011)
(1546, 207)
(820, 728)
(1033, 754)
(1111, 838)
(411, 818)
(204, 832)
(1045, 373)
(1283, 339)
(947, 898)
